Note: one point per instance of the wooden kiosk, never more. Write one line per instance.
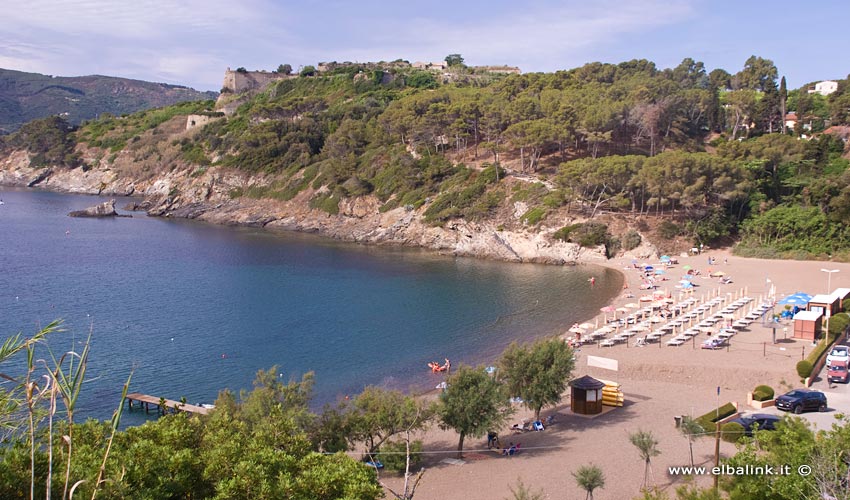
(586, 395)
(807, 325)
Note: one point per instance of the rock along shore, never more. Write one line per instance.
(210, 197)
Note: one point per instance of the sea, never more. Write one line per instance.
(191, 309)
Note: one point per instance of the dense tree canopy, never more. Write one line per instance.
(537, 373)
(704, 149)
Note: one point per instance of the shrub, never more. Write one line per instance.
(328, 203)
(669, 230)
(804, 368)
(707, 421)
(731, 432)
(563, 234)
(393, 455)
(534, 215)
(763, 393)
(631, 240)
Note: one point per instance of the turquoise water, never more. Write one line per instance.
(195, 308)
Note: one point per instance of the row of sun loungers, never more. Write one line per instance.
(681, 315)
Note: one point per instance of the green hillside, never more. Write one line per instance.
(683, 155)
(28, 96)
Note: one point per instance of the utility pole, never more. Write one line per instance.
(716, 453)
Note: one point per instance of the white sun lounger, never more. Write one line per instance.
(674, 342)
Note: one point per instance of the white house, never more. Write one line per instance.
(825, 87)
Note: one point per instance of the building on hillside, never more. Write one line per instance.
(241, 81)
(840, 131)
(825, 87)
(791, 120)
(431, 66)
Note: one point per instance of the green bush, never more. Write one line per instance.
(534, 216)
(327, 202)
(707, 421)
(669, 230)
(631, 240)
(393, 455)
(564, 233)
(804, 368)
(763, 393)
(731, 432)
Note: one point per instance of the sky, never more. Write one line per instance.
(192, 42)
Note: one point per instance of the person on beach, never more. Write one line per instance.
(592, 281)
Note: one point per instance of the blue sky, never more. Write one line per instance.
(191, 42)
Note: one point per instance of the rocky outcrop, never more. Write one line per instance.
(105, 209)
(209, 196)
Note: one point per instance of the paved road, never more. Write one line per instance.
(838, 398)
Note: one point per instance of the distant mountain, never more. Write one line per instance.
(27, 96)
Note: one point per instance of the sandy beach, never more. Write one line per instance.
(659, 382)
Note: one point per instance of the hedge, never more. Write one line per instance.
(763, 393)
(708, 420)
(804, 368)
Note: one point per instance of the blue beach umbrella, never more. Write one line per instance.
(659, 271)
(796, 299)
(665, 258)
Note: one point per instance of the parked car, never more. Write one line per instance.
(838, 353)
(765, 421)
(837, 371)
(800, 400)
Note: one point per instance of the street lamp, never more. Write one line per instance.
(829, 279)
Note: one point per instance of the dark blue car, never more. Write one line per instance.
(765, 421)
(800, 400)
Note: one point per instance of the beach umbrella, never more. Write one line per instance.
(687, 267)
(632, 305)
(656, 319)
(622, 310)
(646, 298)
(665, 258)
(605, 329)
(648, 268)
(659, 271)
(586, 325)
(576, 329)
(607, 309)
(796, 299)
(688, 277)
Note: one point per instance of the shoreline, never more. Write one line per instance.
(658, 381)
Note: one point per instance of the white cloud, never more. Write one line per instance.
(539, 37)
(192, 41)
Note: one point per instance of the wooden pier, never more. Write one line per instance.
(146, 401)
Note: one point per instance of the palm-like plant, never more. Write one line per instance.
(68, 385)
(523, 492)
(691, 430)
(647, 447)
(589, 478)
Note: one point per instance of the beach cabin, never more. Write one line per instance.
(586, 395)
(841, 294)
(826, 304)
(807, 325)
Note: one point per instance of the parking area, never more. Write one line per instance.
(838, 397)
